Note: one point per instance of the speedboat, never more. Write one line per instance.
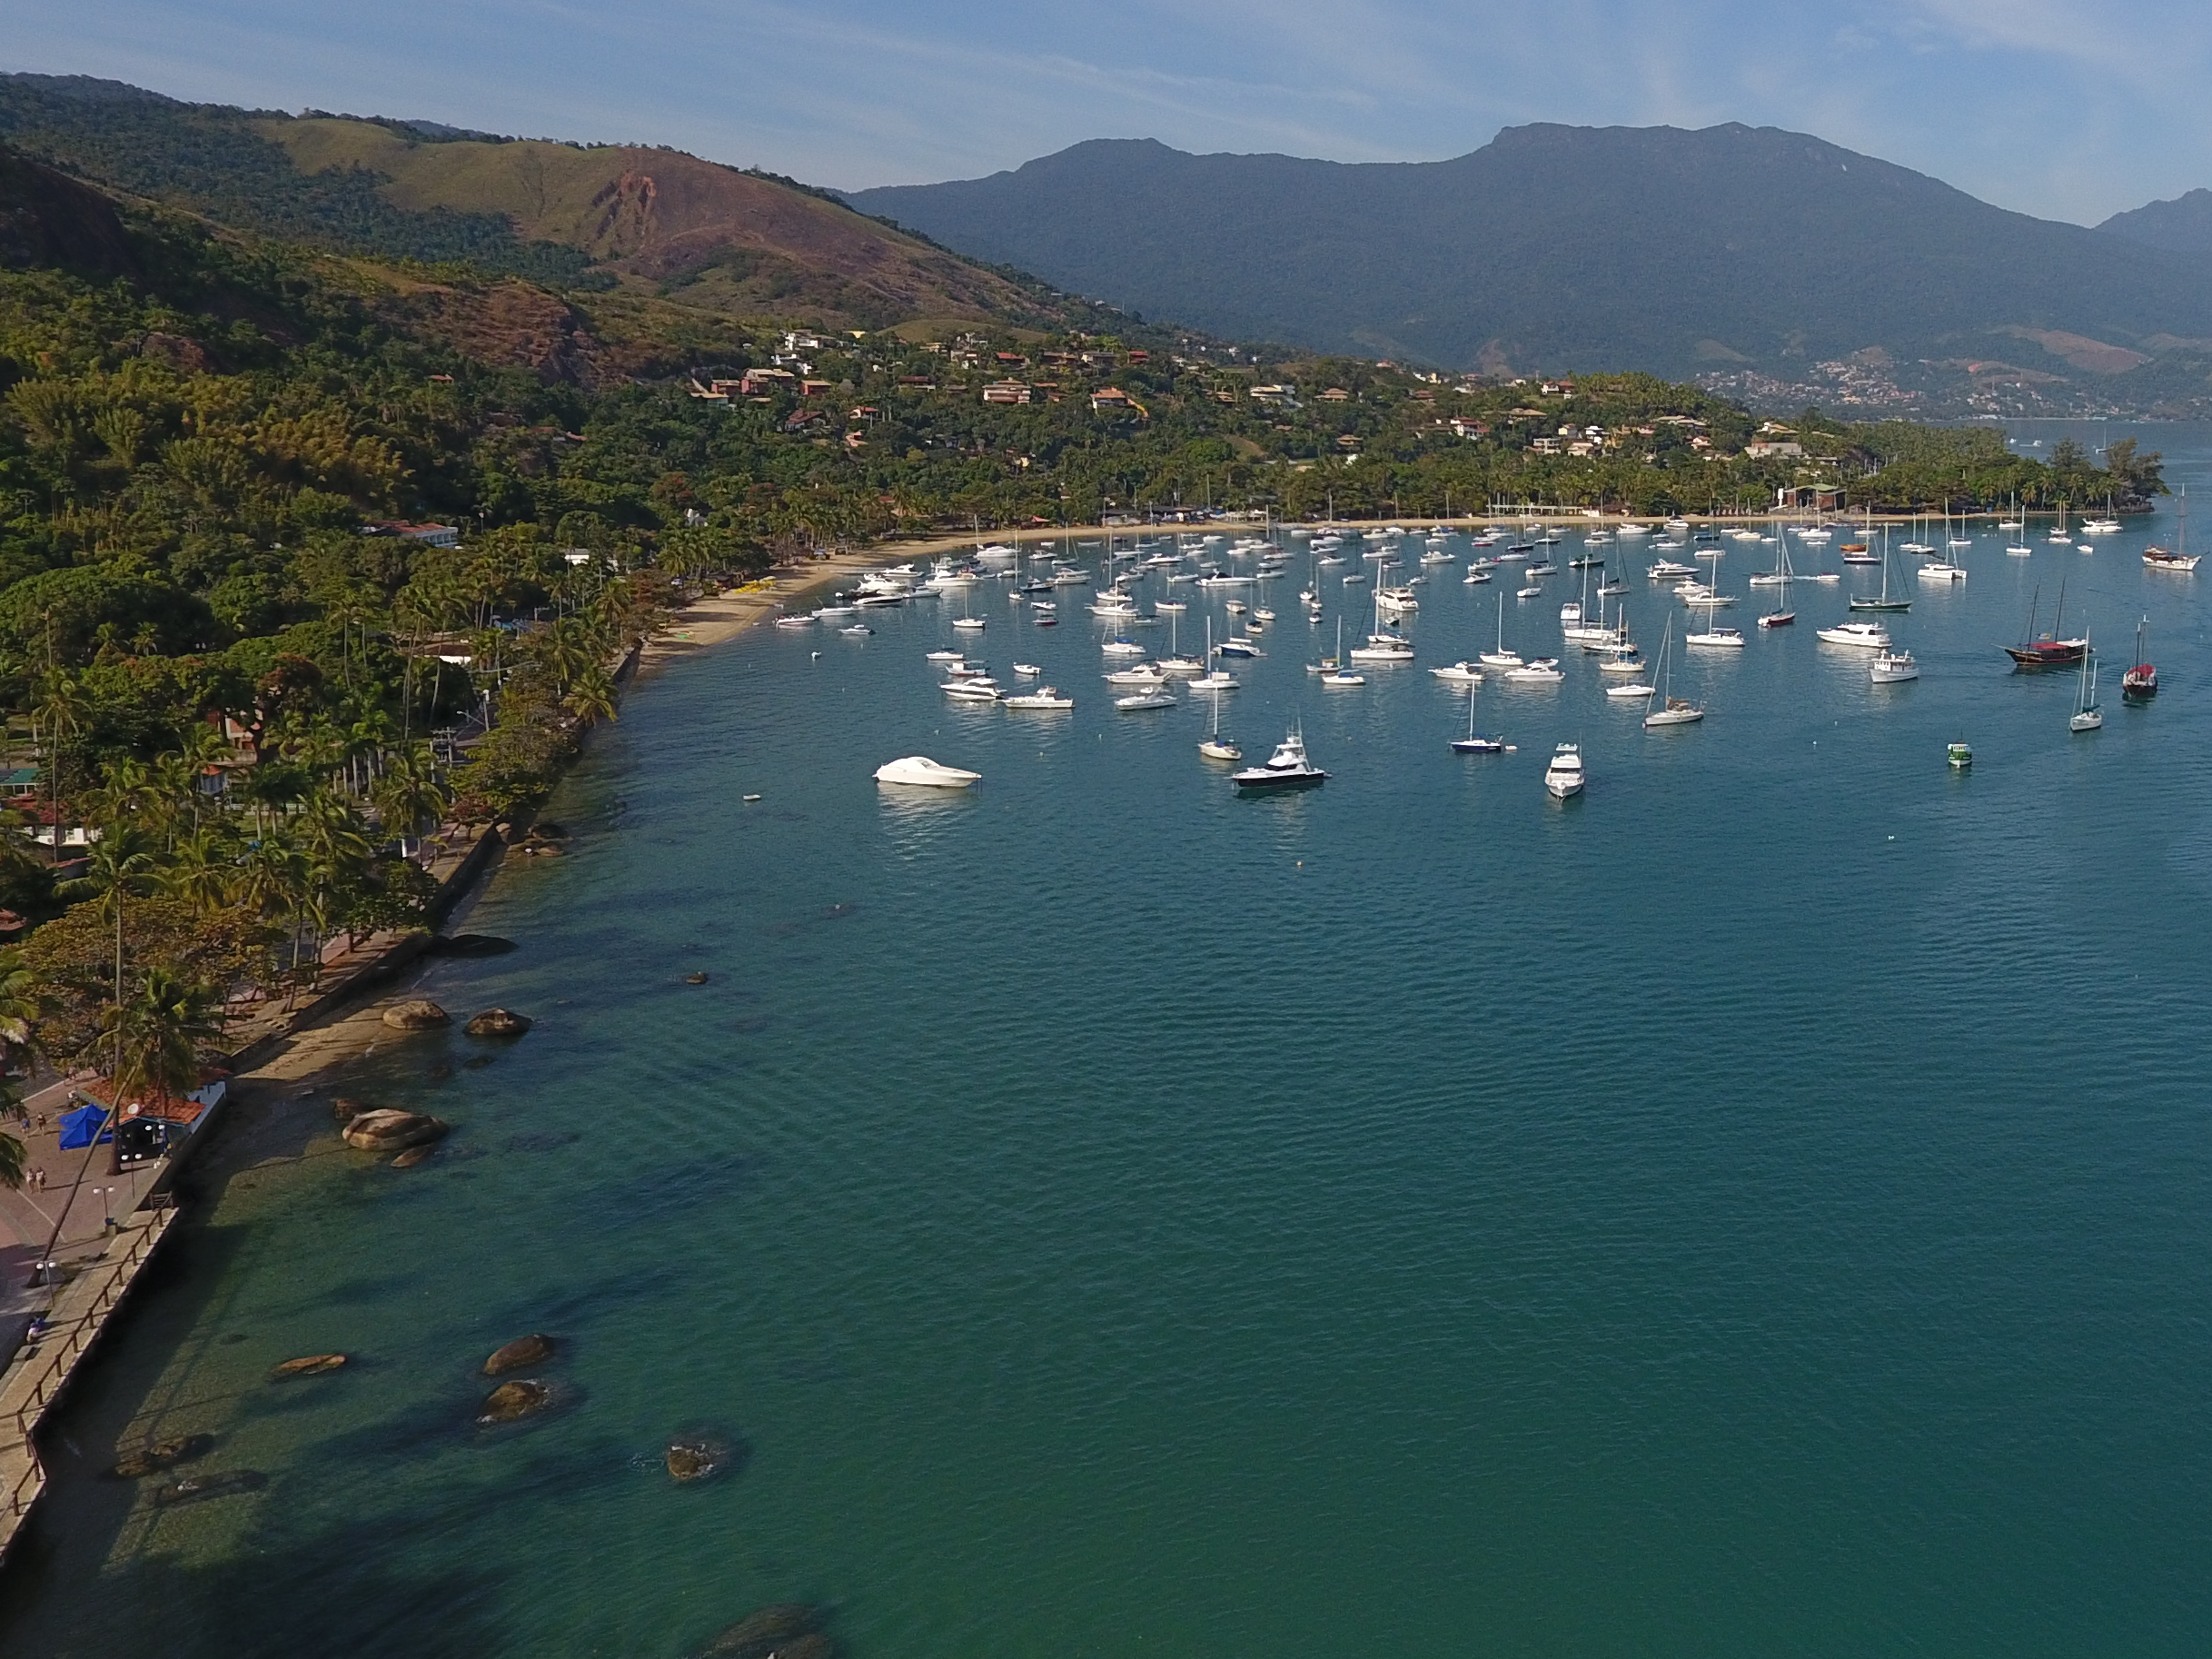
(980, 689)
(1286, 769)
(929, 774)
(1564, 777)
(1027, 670)
(1862, 636)
(941, 656)
(1892, 668)
(1145, 700)
(1043, 697)
(1144, 676)
(1543, 672)
(1667, 570)
(1459, 674)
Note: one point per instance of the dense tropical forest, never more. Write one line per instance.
(246, 679)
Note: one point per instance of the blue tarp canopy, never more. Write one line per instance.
(79, 1126)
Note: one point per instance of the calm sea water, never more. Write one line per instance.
(1759, 1208)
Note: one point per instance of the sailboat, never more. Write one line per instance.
(2181, 561)
(2059, 532)
(2018, 524)
(1216, 747)
(1674, 710)
(2047, 651)
(1946, 568)
(1176, 663)
(2087, 715)
(2140, 684)
(1867, 601)
(1342, 675)
(1500, 658)
(1471, 744)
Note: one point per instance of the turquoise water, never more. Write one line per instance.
(1758, 1207)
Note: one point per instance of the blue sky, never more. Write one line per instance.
(2065, 108)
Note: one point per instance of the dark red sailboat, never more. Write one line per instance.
(2139, 683)
(2046, 650)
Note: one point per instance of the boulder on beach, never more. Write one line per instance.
(307, 1364)
(389, 1129)
(510, 1402)
(757, 1635)
(499, 1022)
(531, 1350)
(415, 1015)
(161, 1454)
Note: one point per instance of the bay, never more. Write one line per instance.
(1755, 1208)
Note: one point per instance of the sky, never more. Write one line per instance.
(2066, 109)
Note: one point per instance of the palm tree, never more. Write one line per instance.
(161, 1033)
(592, 697)
(410, 792)
(62, 711)
(120, 863)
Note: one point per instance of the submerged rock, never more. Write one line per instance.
(194, 1488)
(388, 1129)
(415, 1015)
(410, 1157)
(698, 979)
(511, 1402)
(471, 945)
(310, 1365)
(499, 1022)
(531, 1350)
(161, 1454)
(757, 1635)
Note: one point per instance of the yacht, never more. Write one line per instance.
(929, 774)
(1145, 700)
(1667, 570)
(978, 689)
(1286, 769)
(1043, 697)
(1564, 775)
(1544, 670)
(1864, 636)
(1892, 668)
(1459, 674)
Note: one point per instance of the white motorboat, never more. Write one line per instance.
(1543, 672)
(1564, 777)
(1459, 674)
(941, 656)
(1861, 636)
(1667, 570)
(922, 770)
(1027, 670)
(1043, 697)
(1892, 668)
(1636, 691)
(1942, 570)
(1142, 676)
(980, 689)
(1287, 769)
(1145, 700)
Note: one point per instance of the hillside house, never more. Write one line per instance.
(1006, 391)
(1285, 397)
(761, 383)
(1336, 394)
(431, 535)
(1763, 449)
(1113, 399)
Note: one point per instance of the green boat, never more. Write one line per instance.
(1962, 756)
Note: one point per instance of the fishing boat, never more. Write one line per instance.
(2038, 651)
(1960, 756)
(1565, 776)
(2141, 683)
(1287, 769)
(1892, 668)
(2087, 715)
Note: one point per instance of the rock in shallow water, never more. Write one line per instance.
(511, 1402)
(689, 1460)
(770, 1630)
(193, 1488)
(530, 1350)
(310, 1365)
(161, 1454)
(471, 945)
(417, 1015)
(410, 1157)
(388, 1129)
(499, 1022)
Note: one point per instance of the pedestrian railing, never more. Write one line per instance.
(58, 1349)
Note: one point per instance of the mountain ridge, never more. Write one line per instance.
(1564, 248)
